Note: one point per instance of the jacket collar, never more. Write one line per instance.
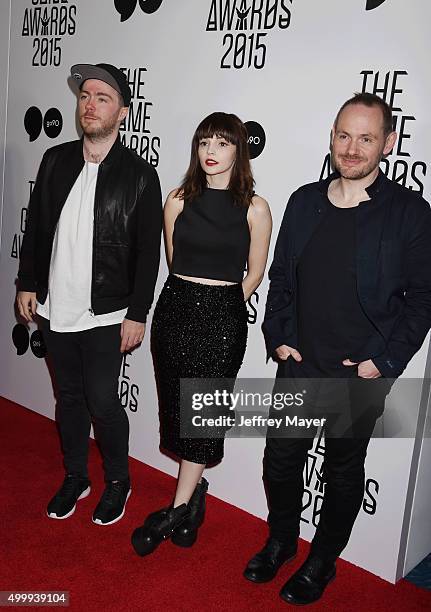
(377, 187)
(112, 153)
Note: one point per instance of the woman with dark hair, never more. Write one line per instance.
(215, 227)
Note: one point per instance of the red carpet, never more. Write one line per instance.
(98, 566)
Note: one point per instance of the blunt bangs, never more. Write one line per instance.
(220, 125)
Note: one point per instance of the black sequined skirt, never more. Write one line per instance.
(198, 331)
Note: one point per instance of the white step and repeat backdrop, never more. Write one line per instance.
(284, 66)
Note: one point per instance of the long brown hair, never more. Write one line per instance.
(230, 127)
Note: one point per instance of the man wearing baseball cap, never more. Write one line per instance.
(88, 268)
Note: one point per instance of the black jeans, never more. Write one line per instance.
(86, 367)
(343, 467)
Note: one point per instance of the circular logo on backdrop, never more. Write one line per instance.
(20, 338)
(256, 138)
(33, 122)
(372, 4)
(150, 6)
(126, 8)
(52, 123)
(37, 344)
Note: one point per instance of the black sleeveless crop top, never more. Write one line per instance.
(211, 238)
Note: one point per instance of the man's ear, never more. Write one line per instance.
(123, 113)
(390, 143)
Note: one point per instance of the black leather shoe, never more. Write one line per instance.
(186, 534)
(308, 583)
(264, 566)
(157, 527)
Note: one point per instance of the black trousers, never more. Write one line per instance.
(86, 367)
(343, 467)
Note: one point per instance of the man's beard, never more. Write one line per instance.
(99, 132)
(355, 173)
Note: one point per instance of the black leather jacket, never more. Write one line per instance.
(127, 227)
(393, 270)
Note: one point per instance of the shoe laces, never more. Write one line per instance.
(112, 492)
(69, 485)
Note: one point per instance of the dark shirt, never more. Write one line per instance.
(211, 237)
(393, 270)
(331, 322)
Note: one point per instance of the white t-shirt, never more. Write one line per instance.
(68, 304)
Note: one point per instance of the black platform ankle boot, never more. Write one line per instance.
(186, 533)
(157, 527)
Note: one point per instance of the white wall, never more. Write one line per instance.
(311, 67)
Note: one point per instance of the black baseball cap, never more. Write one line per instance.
(106, 73)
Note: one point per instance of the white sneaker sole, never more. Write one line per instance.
(99, 522)
(84, 494)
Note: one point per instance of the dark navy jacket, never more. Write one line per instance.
(393, 270)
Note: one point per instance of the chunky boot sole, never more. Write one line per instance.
(147, 538)
(186, 540)
(141, 546)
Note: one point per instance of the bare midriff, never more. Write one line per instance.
(205, 281)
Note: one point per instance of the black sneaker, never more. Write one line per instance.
(63, 504)
(112, 504)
